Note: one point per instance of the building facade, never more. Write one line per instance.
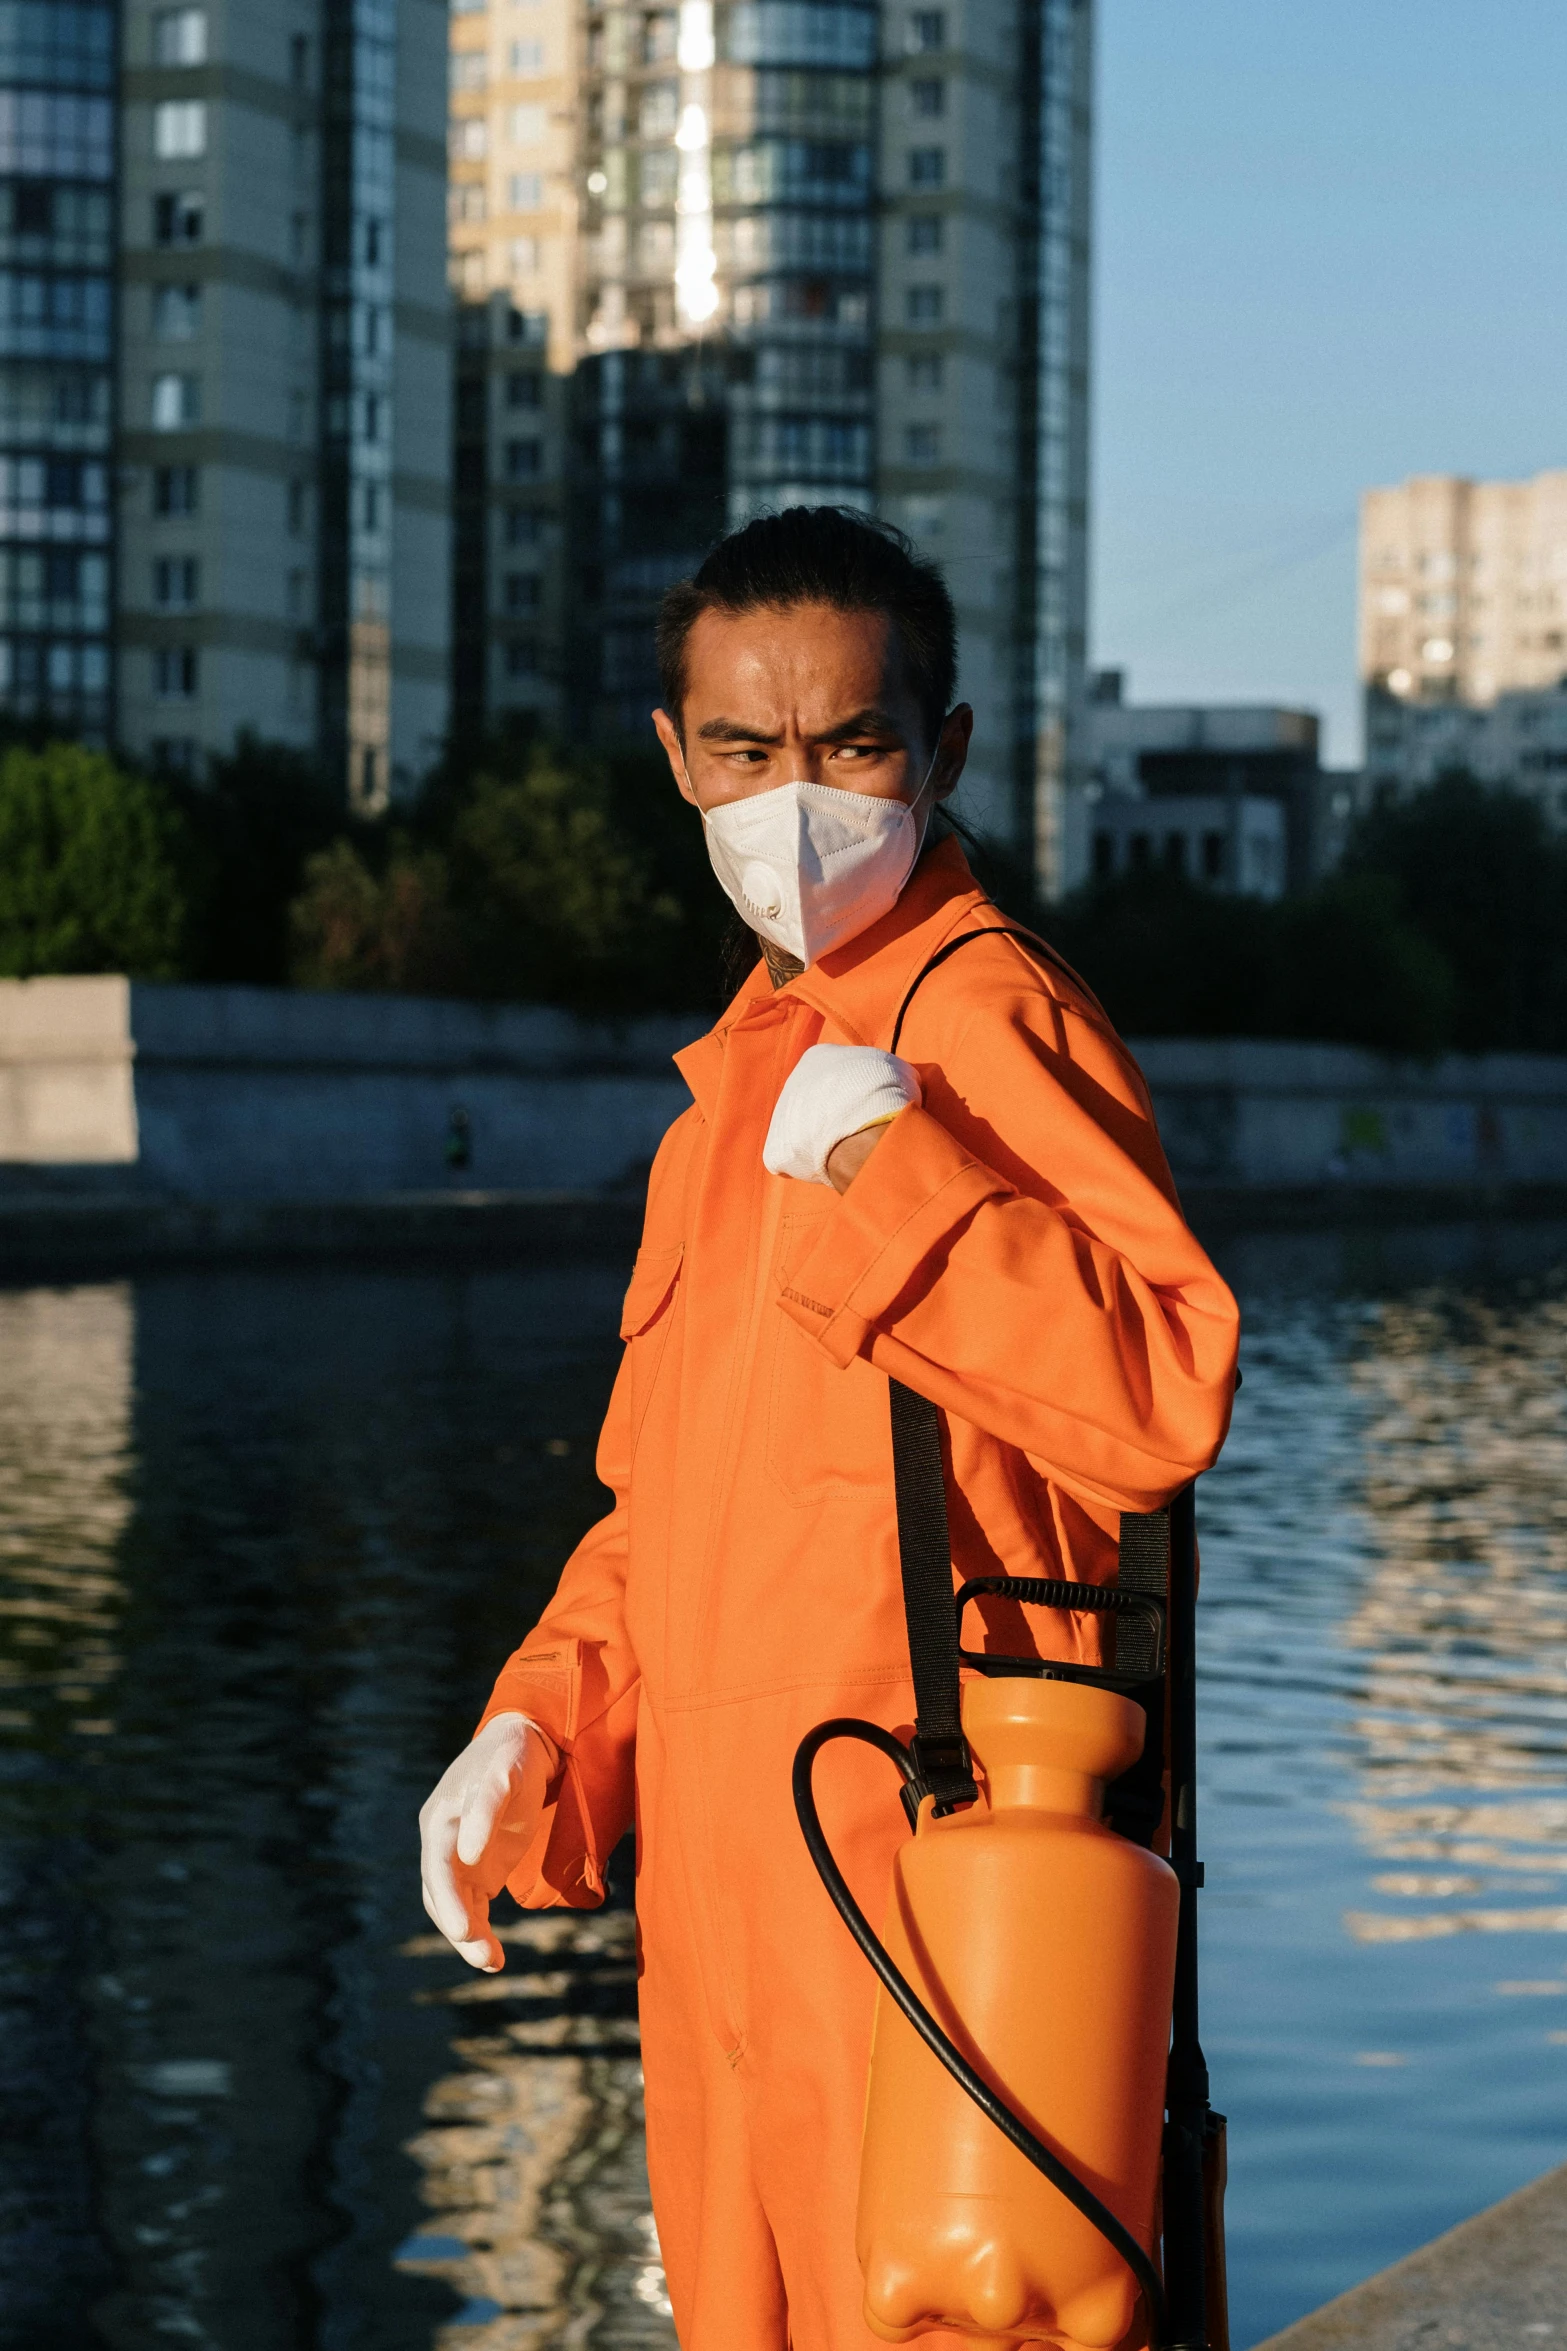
(57, 299)
(1519, 741)
(1463, 588)
(1231, 795)
(724, 257)
(285, 384)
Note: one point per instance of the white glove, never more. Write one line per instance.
(831, 1092)
(475, 1827)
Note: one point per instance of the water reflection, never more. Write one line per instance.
(1385, 1731)
(1463, 1623)
(263, 1538)
(533, 2164)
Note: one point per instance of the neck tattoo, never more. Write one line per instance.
(781, 967)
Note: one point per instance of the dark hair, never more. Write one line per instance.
(820, 555)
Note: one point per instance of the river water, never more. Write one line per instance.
(264, 1537)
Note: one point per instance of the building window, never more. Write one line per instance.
(174, 672)
(524, 256)
(522, 591)
(465, 201)
(524, 388)
(927, 167)
(923, 233)
(469, 139)
(178, 219)
(659, 111)
(298, 508)
(526, 57)
(522, 660)
(1213, 857)
(372, 416)
(1104, 856)
(922, 444)
(1140, 851)
(524, 460)
(927, 29)
(927, 99)
(176, 313)
(179, 36)
(525, 191)
(176, 489)
(179, 129)
(529, 124)
(175, 580)
(923, 306)
(523, 527)
(922, 371)
(469, 69)
(299, 60)
(176, 402)
(1175, 852)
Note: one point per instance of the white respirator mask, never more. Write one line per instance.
(809, 866)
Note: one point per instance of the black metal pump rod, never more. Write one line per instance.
(1187, 2095)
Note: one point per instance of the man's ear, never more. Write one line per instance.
(952, 749)
(667, 733)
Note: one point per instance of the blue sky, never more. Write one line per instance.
(1331, 250)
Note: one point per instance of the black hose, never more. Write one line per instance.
(897, 1986)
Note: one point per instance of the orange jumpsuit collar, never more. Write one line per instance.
(861, 984)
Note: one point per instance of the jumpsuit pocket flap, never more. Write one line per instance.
(653, 1280)
(544, 1681)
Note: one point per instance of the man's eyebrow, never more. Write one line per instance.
(869, 721)
(731, 730)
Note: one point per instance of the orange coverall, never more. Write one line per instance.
(1012, 1250)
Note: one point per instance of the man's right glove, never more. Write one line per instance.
(476, 1825)
(832, 1092)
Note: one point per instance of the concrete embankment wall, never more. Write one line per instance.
(115, 1088)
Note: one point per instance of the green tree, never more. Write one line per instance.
(1342, 964)
(256, 819)
(1479, 874)
(516, 883)
(93, 867)
(393, 928)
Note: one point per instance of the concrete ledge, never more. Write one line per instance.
(1499, 2280)
(63, 1232)
(43, 1239)
(1254, 1208)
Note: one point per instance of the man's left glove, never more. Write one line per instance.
(832, 1092)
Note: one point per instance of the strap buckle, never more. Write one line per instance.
(944, 1769)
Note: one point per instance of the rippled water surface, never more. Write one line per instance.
(264, 1538)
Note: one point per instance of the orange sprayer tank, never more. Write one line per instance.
(1044, 1944)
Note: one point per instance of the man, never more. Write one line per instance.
(985, 1215)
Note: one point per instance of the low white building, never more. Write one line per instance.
(1236, 845)
(1520, 739)
(1230, 794)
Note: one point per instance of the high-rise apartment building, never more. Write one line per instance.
(1463, 587)
(986, 157)
(284, 442)
(730, 255)
(57, 162)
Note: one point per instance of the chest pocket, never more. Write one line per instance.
(827, 1428)
(645, 1321)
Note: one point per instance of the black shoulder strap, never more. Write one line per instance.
(941, 1757)
(943, 1766)
(1030, 939)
